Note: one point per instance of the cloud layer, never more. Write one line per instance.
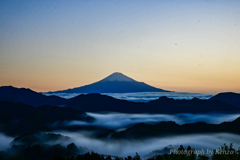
(143, 96)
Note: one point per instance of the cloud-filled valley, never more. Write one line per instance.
(117, 121)
(144, 147)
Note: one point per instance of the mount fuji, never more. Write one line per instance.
(114, 83)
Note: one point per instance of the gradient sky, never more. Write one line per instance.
(184, 46)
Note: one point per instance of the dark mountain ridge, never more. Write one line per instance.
(95, 102)
(19, 118)
(228, 97)
(27, 96)
(143, 130)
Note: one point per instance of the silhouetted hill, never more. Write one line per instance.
(170, 105)
(228, 97)
(39, 138)
(115, 83)
(99, 103)
(143, 130)
(19, 118)
(8, 99)
(95, 102)
(27, 96)
(39, 152)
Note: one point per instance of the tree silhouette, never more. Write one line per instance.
(136, 157)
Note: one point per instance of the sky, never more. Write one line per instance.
(183, 46)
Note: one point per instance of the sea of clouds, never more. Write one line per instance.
(121, 121)
(142, 96)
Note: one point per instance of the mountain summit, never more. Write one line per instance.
(114, 83)
(116, 76)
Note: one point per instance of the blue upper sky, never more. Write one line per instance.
(188, 46)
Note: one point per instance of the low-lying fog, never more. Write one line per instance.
(144, 147)
(5, 141)
(118, 121)
(121, 120)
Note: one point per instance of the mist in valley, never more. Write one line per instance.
(5, 141)
(125, 148)
(119, 121)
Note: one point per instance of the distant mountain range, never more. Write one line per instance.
(114, 83)
(95, 102)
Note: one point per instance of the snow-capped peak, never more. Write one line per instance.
(118, 77)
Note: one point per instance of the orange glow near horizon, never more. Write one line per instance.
(177, 85)
(182, 46)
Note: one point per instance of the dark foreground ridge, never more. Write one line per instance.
(72, 152)
(115, 83)
(19, 118)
